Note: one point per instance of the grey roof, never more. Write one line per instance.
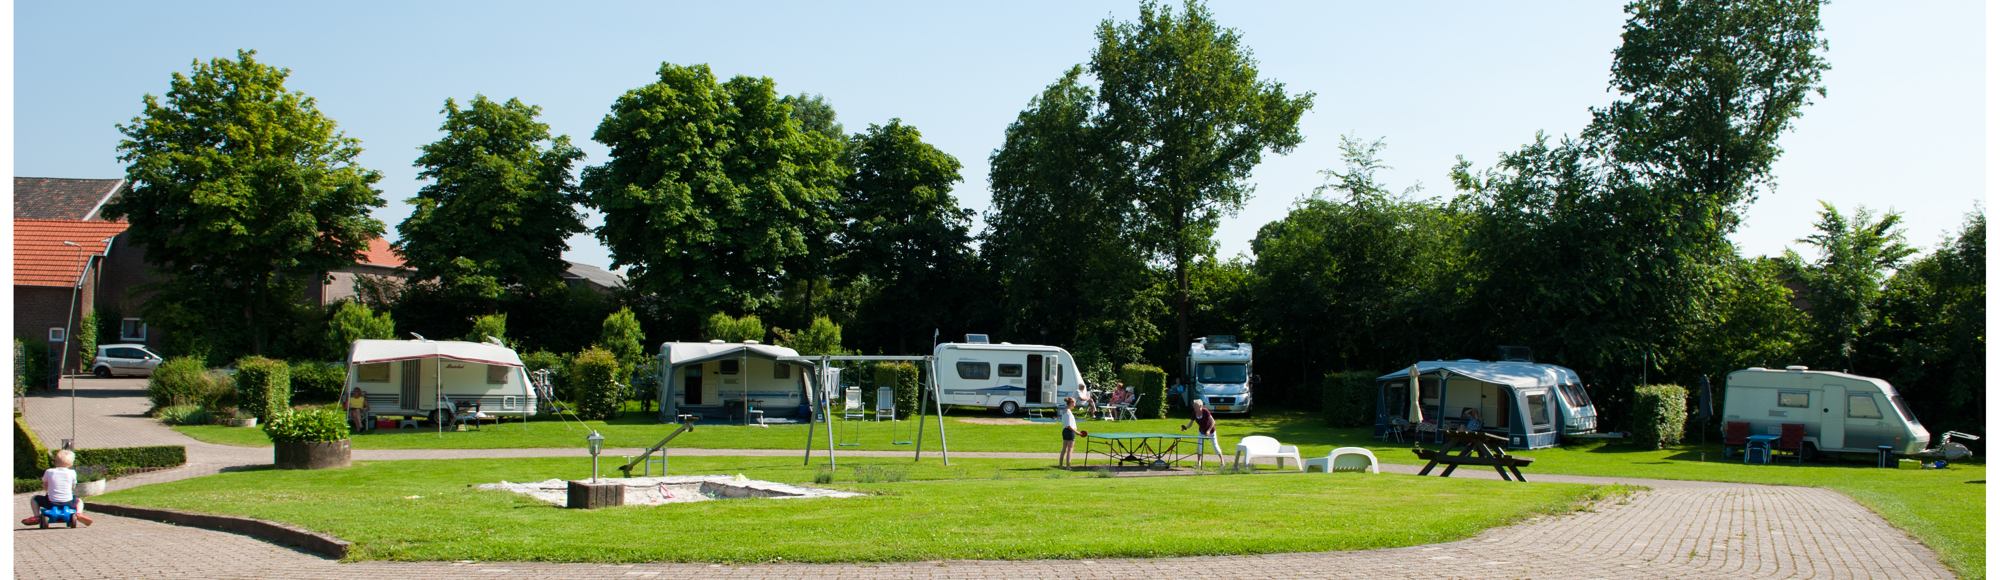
(54, 198)
(1515, 374)
(593, 275)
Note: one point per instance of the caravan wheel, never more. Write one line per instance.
(1808, 452)
(1009, 408)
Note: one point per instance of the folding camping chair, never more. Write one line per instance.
(885, 404)
(851, 408)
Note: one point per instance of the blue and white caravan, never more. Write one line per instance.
(713, 379)
(1532, 405)
(1008, 377)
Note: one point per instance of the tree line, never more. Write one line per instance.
(1606, 252)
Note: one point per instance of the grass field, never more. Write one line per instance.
(1945, 509)
(978, 508)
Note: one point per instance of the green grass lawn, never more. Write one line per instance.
(978, 508)
(1943, 509)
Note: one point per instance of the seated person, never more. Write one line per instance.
(1123, 396)
(1471, 417)
(58, 485)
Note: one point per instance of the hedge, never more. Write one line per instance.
(594, 374)
(1151, 384)
(30, 457)
(263, 386)
(317, 381)
(902, 377)
(134, 457)
(187, 381)
(1347, 399)
(306, 426)
(1659, 416)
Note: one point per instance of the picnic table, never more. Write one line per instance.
(1474, 448)
(1145, 449)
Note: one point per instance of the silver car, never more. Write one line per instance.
(124, 359)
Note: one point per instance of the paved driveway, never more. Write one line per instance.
(1677, 530)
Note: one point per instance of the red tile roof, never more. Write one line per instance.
(380, 254)
(41, 258)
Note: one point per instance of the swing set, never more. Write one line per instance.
(828, 378)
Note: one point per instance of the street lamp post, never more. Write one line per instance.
(69, 330)
(596, 445)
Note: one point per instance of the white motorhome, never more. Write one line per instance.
(1003, 376)
(418, 377)
(1219, 373)
(1842, 413)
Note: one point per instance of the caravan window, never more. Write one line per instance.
(1862, 406)
(1792, 399)
(975, 371)
(1903, 408)
(1538, 409)
(727, 367)
(497, 374)
(375, 373)
(781, 371)
(1010, 370)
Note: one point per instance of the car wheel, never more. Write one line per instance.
(1009, 408)
(102, 372)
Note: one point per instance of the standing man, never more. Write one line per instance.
(1205, 420)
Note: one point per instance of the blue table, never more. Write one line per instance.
(1758, 448)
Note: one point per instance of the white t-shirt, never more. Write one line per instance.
(58, 482)
(1068, 419)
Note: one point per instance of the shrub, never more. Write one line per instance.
(92, 473)
(621, 336)
(1151, 384)
(822, 337)
(187, 381)
(1659, 414)
(31, 364)
(491, 325)
(186, 415)
(558, 367)
(305, 426)
(722, 327)
(30, 457)
(594, 372)
(354, 321)
(902, 377)
(263, 386)
(317, 381)
(27, 485)
(134, 457)
(1348, 399)
(86, 340)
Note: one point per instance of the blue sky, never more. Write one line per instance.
(1902, 126)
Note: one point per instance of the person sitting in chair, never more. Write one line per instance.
(1471, 417)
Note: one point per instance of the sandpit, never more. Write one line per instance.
(678, 489)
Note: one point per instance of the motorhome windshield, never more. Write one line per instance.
(1221, 372)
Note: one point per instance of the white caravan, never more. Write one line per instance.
(1842, 413)
(1008, 377)
(714, 378)
(417, 377)
(1219, 373)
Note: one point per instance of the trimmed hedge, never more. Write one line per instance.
(902, 377)
(24, 485)
(185, 380)
(1659, 416)
(134, 457)
(1347, 400)
(594, 374)
(317, 381)
(263, 386)
(1151, 384)
(30, 457)
(306, 426)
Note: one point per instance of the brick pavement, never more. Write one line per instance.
(1677, 530)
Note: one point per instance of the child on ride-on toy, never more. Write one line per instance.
(58, 486)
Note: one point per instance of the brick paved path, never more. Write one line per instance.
(1678, 530)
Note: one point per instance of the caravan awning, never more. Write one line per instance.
(682, 353)
(381, 351)
(1513, 374)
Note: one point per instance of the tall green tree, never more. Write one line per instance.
(1856, 255)
(355, 321)
(707, 188)
(500, 203)
(241, 191)
(816, 267)
(623, 338)
(1056, 237)
(1185, 120)
(904, 230)
(1928, 336)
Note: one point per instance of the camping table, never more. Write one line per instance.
(1143, 448)
(1474, 448)
(1758, 448)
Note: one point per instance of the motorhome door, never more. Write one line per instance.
(1035, 390)
(1833, 417)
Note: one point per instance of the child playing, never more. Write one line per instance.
(1069, 431)
(59, 483)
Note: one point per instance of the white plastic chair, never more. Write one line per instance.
(1255, 446)
(1345, 459)
(851, 408)
(885, 404)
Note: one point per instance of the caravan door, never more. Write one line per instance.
(1833, 417)
(1035, 390)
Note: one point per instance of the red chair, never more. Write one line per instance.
(1737, 435)
(1792, 437)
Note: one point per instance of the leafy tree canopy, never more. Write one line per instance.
(500, 205)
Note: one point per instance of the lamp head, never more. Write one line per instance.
(596, 443)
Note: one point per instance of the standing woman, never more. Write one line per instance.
(1069, 432)
(1205, 421)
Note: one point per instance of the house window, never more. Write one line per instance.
(497, 374)
(373, 373)
(781, 371)
(1862, 406)
(132, 329)
(728, 367)
(1010, 370)
(1791, 399)
(974, 371)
